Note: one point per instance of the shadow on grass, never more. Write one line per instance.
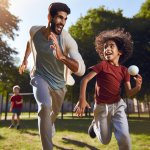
(81, 125)
(28, 132)
(61, 148)
(25, 124)
(2, 138)
(78, 143)
(139, 126)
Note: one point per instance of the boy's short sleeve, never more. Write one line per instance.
(11, 99)
(98, 67)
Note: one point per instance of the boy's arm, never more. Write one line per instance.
(25, 62)
(82, 103)
(10, 109)
(19, 102)
(132, 91)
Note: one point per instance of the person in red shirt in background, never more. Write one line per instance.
(16, 106)
(114, 47)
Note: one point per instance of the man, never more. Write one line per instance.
(54, 50)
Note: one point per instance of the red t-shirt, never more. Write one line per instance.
(109, 79)
(14, 99)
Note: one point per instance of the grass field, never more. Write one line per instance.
(71, 135)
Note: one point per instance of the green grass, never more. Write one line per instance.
(71, 135)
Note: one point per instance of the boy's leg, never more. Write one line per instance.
(121, 130)
(57, 101)
(18, 121)
(18, 118)
(102, 123)
(43, 98)
(12, 121)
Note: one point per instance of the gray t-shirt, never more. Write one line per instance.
(47, 66)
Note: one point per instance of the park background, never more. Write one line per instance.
(87, 19)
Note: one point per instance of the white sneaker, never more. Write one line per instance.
(53, 130)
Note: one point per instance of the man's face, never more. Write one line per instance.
(58, 22)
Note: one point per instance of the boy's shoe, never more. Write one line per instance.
(18, 127)
(91, 131)
(11, 126)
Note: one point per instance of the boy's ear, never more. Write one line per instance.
(120, 53)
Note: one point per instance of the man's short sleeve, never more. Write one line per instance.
(72, 49)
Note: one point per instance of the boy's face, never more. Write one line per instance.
(58, 22)
(111, 51)
(16, 90)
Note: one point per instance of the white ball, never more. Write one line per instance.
(133, 70)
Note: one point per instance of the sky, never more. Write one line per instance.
(34, 12)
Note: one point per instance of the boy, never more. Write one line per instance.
(16, 106)
(114, 46)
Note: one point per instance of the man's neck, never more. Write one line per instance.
(46, 32)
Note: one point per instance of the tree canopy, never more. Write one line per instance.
(9, 75)
(96, 20)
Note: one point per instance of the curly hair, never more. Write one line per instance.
(55, 7)
(122, 39)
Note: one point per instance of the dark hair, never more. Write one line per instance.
(120, 37)
(55, 7)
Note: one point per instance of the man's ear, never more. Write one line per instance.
(49, 18)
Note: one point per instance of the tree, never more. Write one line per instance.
(8, 26)
(144, 11)
(97, 20)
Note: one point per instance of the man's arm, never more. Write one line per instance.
(25, 62)
(74, 62)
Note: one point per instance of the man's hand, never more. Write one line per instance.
(80, 107)
(23, 66)
(56, 48)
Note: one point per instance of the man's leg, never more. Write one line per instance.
(57, 101)
(43, 98)
(102, 123)
(120, 124)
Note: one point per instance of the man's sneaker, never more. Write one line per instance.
(11, 126)
(18, 127)
(91, 131)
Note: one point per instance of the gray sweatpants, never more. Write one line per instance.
(107, 116)
(49, 105)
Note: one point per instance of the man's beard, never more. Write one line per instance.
(53, 28)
